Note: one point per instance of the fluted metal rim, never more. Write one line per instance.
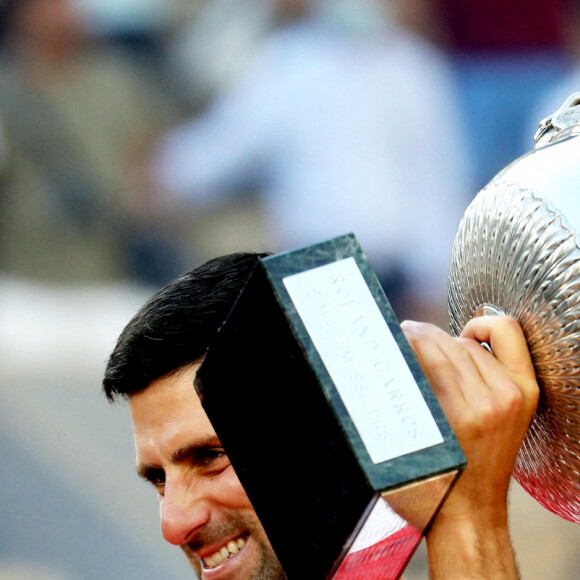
(514, 251)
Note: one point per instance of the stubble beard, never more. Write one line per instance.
(268, 566)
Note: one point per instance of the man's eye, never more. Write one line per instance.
(156, 477)
(213, 458)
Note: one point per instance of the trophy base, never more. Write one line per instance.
(328, 416)
(394, 530)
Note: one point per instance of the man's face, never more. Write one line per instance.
(204, 508)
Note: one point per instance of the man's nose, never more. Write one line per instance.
(182, 512)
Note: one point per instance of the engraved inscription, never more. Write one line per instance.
(363, 360)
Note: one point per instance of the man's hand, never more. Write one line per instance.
(489, 400)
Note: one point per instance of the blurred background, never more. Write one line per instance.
(139, 138)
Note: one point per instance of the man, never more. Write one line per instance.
(489, 401)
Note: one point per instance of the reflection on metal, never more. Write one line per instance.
(517, 251)
(488, 310)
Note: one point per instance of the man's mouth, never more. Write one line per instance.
(226, 551)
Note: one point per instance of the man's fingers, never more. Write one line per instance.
(468, 380)
(506, 339)
(432, 346)
(443, 357)
(509, 347)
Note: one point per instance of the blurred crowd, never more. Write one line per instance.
(140, 137)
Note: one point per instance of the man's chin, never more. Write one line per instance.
(254, 560)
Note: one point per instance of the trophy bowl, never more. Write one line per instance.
(517, 252)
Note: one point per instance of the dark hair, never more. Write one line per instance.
(176, 326)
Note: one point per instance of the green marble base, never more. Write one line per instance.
(323, 408)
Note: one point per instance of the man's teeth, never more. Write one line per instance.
(231, 548)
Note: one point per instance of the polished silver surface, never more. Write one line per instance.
(517, 251)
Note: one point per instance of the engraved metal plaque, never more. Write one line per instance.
(363, 359)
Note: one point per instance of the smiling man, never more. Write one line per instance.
(203, 506)
(489, 402)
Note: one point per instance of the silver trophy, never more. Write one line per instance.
(517, 251)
